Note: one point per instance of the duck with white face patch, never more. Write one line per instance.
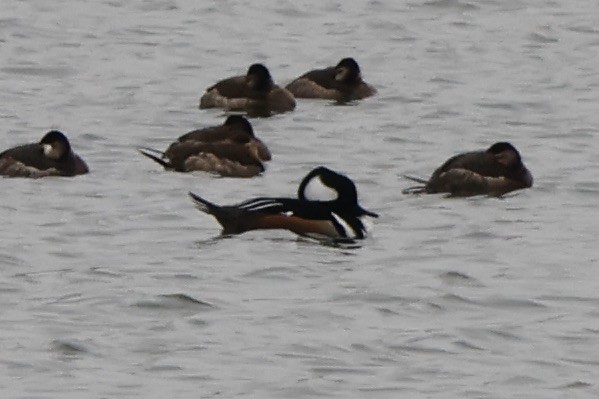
(326, 207)
(342, 83)
(254, 93)
(51, 156)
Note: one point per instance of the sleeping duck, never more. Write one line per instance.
(255, 93)
(230, 150)
(494, 172)
(51, 156)
(341, 83)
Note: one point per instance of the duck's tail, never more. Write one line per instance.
(156, 156)
(415, 189)
(227, 216)
(204, 205)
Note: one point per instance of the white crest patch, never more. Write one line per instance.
(316, 190)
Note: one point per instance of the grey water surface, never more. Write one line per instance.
(113, 286)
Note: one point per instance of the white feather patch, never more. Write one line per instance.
(51, 151)
(316, 190)
(48, 150)
(257, 204)
(347, 229)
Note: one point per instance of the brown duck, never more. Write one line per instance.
(342, 83)
(255, 93)
(494, 172)
(51, 156)
(230, 150)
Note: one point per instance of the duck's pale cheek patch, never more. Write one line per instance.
(315, 190)
(51, 152)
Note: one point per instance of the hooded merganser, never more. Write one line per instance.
(230, 149)
(342, 83)
(51, 156)
(494, 172)
(337, 215)
(255, 93)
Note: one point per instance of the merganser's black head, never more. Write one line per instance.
(325, 185)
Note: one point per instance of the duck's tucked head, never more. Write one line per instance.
(241, 122)
(508, 156)
(56, 145)
(347, 70)
(258, 77)
(325, 185)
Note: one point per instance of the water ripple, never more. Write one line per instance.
(68, 347)
(174, 301)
